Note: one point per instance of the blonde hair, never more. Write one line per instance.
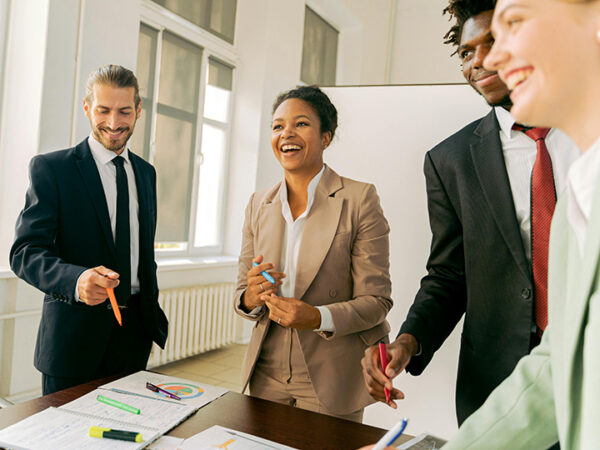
(112, 75)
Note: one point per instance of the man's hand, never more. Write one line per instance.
(399, 354)
(292, 313)
(93, 283)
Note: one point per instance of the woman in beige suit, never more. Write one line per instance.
(324, 240)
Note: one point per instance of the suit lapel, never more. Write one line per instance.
(271, 225)
(91, 180)
(143, 194)
(490, 167)
(319, 231)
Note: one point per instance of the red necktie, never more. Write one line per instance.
(543, 201)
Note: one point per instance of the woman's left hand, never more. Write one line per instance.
(292, 313)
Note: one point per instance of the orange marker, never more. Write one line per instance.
(115, 305)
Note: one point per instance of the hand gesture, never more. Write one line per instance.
(292, 313)
(399, 354)
(257, 285)
(93, 283)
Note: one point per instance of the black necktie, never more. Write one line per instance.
(122, 239)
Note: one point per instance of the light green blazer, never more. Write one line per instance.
(553, 393)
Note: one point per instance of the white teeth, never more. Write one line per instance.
(288, 147)
(517, 78)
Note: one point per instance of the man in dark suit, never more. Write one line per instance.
(88, 224)
(478, 189)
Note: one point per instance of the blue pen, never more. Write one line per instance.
(389, 437)
(265, 274)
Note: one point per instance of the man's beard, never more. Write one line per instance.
(112, 144)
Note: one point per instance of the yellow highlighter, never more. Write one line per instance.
(108, 433)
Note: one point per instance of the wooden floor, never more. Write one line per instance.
(220, 367)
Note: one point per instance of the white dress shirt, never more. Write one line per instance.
(292, 237)
(108, 176)
(581, 184)
(520, 152)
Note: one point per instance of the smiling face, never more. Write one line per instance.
(296, 137)
(475, 43)
(548, 55)
(112, 114)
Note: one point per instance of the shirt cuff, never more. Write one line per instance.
(326, 320)
(76, 296)
(254, 313)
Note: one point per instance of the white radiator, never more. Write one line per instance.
(201, 318)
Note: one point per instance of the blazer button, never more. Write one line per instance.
(332, 293)
(526, 293)
(109, 306)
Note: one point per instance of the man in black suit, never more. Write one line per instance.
(88, 224)
(478, 189)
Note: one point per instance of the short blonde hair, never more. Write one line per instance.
(112, 75)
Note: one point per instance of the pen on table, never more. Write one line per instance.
(265, 274)
(389, 437)
(118, 404)
(384, 362)
(154, 388)
(114, 304)
(101, 432)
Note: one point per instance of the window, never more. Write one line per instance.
(186, 91)
(215, 16)
(319, 50)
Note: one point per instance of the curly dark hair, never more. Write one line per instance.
(318, 101)
(463, 10)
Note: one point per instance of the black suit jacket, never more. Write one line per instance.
(477, 265)
(63, 230)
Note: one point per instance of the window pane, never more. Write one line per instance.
(319, 50)
(218, 91)
(140, 140)
(179, 73)
(222, 19)
(215, 16)
(174, 163)
(146, 60)
(208, 216)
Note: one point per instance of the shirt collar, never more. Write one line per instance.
(312, 188)
(505, 120)
(102, 154)
(582, 178)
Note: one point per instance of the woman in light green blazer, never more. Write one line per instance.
(548, 53)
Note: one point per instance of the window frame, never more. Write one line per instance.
(161, 20)
(317, 11)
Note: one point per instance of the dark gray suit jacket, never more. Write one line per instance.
(63, 230)
(477, 266)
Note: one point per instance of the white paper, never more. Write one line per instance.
(217, 437)
(154, 413)
(166, 443)
(54, 428)
(191, 392)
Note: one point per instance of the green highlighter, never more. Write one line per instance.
(107, 433)
(117, 404)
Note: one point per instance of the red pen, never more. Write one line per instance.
(384, 362)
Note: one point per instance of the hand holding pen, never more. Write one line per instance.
(258, 283)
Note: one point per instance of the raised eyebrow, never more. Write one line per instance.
(302, 116)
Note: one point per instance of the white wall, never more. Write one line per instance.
(419, 54)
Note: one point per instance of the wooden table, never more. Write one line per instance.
(284, 424)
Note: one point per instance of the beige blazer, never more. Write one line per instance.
(343, 263)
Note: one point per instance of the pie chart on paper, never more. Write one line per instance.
(183, 390)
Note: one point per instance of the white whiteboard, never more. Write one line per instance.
(384, 133)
